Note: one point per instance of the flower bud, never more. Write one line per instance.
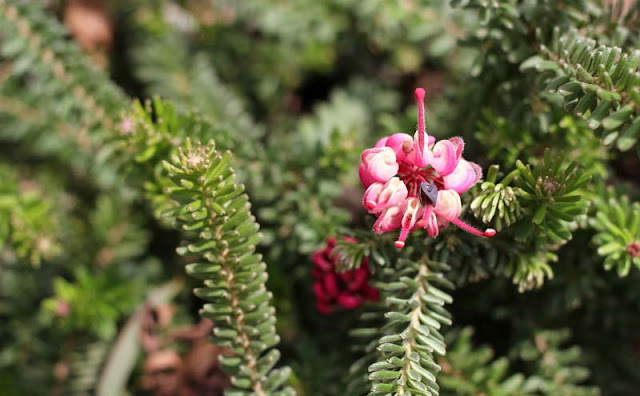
(448, 205)
(388, 220)
(371, 195)
(380, 196)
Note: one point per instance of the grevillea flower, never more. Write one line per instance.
(414, 183)
(348, 289)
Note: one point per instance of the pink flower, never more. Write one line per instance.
(348, 289)
(415, 183)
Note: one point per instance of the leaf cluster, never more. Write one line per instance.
(617, 225)
(212, 208)
(406, 346)
(597, 82)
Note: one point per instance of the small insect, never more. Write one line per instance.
(428, 193)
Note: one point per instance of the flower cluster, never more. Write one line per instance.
(414, 183)
(348, 289)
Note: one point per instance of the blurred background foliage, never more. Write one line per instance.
(545, 90)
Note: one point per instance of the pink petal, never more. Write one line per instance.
(349, 301)
(319, 292)
(321, 262)
(330, 283)
(388, 220)
(401, 143)
(463, 177)
(345, 276)
(323, 308)
(458, 143)
(365, 177)
(448, 205)
(442, 223)
(443, 157)
(359, 279)
(411, 211)
(431, 222)
(477, 169)
(393, 193)
(371, 195)
(371, 293)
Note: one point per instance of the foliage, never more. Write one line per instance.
(552, 185)
(597, 83)
(557, 371)
(91, 303)
(49, 70)
(27, 220)
(618, 226)
(473, 370)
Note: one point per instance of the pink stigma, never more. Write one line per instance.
(489, 232)
(420, 93)
(404, 233)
